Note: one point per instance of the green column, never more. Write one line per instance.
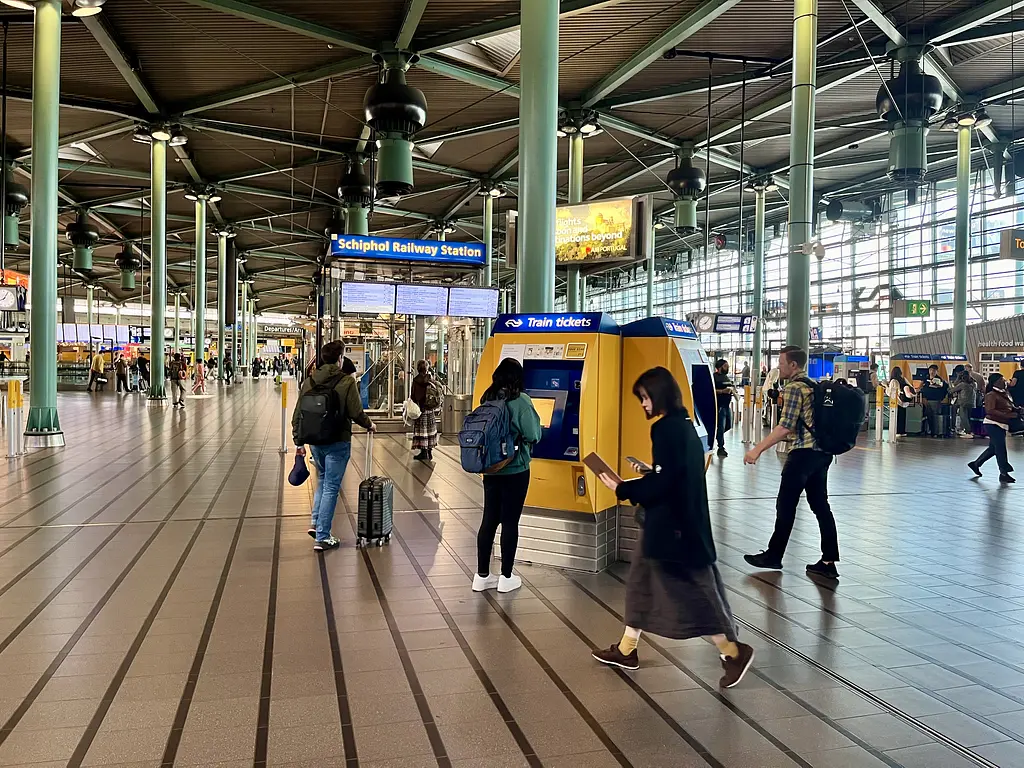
(177, 321)
(961, 254)
(801, 171)
(43, 427)
(648, 228)
(199, 290)
(244, 306)
(487, 275)
(573, 303)
(538, 147)
(222, 299)
(252, 326)
(757, 307)
(357, 220)
(158, 260)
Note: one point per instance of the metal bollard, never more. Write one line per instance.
(15, 438)
(894, 412)
(879, 415)
(748, 420)
(284, 417)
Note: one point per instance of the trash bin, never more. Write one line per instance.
(454, 413)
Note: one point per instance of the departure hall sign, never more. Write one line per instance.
(370, 248)
(1011, 244)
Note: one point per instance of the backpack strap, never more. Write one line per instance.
(806, 381)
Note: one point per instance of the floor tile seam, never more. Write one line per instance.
(76, 529)
(872, 631)
(426, 716)
(893, 672)
(340, 687)
(192, 681)
(516, 731)
(411, 470)
(87, 739)
(157, 438)
(98, 456)
(538, 657)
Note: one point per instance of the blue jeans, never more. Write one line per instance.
(724, 423)
(330, 462)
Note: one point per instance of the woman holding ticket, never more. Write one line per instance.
(674, 588)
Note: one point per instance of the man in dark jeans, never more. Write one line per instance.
(806, 470)
(724, 391)
(932, 394)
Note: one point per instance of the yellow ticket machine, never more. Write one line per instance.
(571, 365)
(671, 344)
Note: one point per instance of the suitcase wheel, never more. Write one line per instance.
(380, 542)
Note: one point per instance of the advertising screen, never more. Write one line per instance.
(597, 231)
(368, 298)
(473, 302)
(421, 300)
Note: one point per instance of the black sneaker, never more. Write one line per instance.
(328, 543)
(736, 668)
(764, 560)
(312, 532)
(722, 453)
(613, 657)
(1006, 479)
(823, 569)
(974, 468)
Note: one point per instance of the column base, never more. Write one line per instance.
(42, 429)
(581, 542)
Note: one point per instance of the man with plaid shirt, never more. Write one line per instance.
(806, 470)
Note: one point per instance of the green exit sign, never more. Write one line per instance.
(907, 308)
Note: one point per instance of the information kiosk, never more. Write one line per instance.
(672, 344)
(915, 366)
(572, 368)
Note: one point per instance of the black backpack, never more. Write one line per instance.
(839, 413)
(320, 414)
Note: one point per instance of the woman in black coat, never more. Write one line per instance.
(674, 588)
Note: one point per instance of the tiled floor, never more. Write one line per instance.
(160, 605)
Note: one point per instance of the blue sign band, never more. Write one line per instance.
(579, 322)
(660, 326)
(402, 249)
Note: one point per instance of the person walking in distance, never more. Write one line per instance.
(805, 471)
(229, 369)
(96, 370)
(177, 373)
(724, 391)
(999, 413)
(674, 588)
(331, 452)
(121, 372)
(199, 385)
(505, 490)
(142, 363)
(424, 429)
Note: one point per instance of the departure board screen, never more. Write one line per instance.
(368, 298)
(422, 300)
(473, 302)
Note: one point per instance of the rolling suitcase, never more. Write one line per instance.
(376, 504)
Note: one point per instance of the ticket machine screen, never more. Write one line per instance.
(554, 387)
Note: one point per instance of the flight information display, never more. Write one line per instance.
(422, 300)
(368, 298)
(473, 302)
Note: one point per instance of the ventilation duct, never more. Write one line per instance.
(356, 195)
(687, 184)
(907, 103)
(851, 210)
(84, 238)
(17, 198)
(396, 111)
(129, 263)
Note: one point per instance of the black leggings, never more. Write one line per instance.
(504, 496)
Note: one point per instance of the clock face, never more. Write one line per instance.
(8, 299)
(705, 322)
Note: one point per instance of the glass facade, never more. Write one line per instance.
(908, 255)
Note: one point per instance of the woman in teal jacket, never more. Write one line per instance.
(505, 490)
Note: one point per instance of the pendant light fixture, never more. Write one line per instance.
(87, 7)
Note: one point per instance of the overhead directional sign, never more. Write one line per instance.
(1011, 244)
(367, 248)
(912, 307)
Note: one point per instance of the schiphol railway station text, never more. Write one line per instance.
(401, 249)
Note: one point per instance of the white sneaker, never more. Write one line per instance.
(510, 584)
(483, 583)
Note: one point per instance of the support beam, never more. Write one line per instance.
(100, 28)
(84, 137)
(43, 428)
(410, 21)
(469, 131)
(502, 25)
(985, 33)
(288, 23)
(277, 85)
(962, 240)
(115, 108)
(468, 76)
(158, 248)
(222, 298)
(982, 13)
(572, 288)
(688, 26)
(199, 289)
(1001, 91)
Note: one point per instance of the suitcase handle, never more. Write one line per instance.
(369, 455)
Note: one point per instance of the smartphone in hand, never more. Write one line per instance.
(640, 466)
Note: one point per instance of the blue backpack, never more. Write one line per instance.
(486, 440)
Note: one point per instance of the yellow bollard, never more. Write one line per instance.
(284, 417)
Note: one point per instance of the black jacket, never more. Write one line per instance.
(677, 522)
